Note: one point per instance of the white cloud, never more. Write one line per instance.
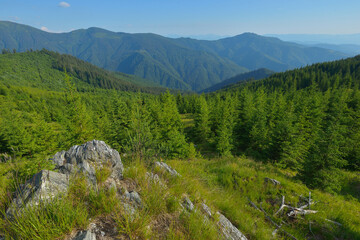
(44, 29)
(64, 4)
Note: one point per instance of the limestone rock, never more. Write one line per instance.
(86, 235)
(41, 187)
(187, 204)
(154, 179)
(89, 157)
(228, 229)
(206, 210)
(167, 168)
(133, 196)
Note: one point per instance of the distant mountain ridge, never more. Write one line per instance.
(175, 63)
(253, 75)
(253, 51)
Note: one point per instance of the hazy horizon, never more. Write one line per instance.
(189, 18)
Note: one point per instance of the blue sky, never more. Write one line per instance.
(189, 17)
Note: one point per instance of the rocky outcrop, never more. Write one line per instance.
(86, 235)
(187, 204)
(42, 186)
(205, 209)
(88, 158)
(134, 197)
(228, 229)
(167, 168)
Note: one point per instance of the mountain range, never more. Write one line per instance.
(181, 63)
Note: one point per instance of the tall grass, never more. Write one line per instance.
(48, 220)
(229, 183)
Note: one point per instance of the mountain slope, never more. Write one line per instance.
(45, 70)
(255, 75)
(351, 49)
(253, 52)
(150, 56)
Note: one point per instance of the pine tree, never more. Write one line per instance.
(201, 119)
(173, 142)
(79, 124)
(139, 135)
(224, 139)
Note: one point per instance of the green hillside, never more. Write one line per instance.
(306, 119)
(300, 128)
(253, 75)
(45, 70)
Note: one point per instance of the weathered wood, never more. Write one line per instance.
(278, 227)
(273, 181)
(337, 223)
(300, 211)
(295, 210)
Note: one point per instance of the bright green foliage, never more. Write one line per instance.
(306, 120)
(202, 121)
(139, 134)
(168, 122)
(80, 128)
(229, 183)
(224, 132)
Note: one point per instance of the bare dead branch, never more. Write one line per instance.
(337, 223)
(278, 227)
(282, 206)
(273, 181)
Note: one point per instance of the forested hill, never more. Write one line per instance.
(175, 63)
(323, 76)
(306, 119)
(45, 70)
(305, 134)
(253, 75)
(253, 51)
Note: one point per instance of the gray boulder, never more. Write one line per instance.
(154, 179)
(41, 187)
(205, 209)
(187, 204)
(133, 196)
(88, 158)
(228, 229)
(167, 168)
(86, 235)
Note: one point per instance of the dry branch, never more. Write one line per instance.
(337, 223)
(278, 227)
(296, 210)
(273, 181)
